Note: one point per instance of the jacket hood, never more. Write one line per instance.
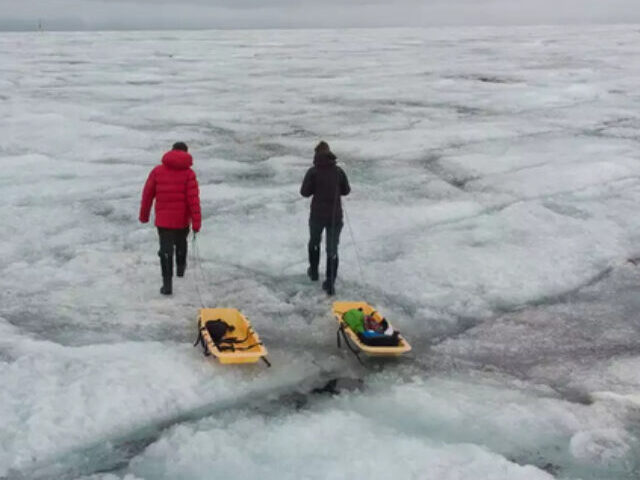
(324, 159)
(177, 160)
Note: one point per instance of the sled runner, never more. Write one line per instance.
(227, 334)
(359, 339)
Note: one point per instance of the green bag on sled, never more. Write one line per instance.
(355, 319)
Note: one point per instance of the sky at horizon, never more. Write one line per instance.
(195, 14)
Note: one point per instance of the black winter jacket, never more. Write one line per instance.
(326, 182)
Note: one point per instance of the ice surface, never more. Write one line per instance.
(496, 185)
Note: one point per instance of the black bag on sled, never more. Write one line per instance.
(217, 330)
(381, 341)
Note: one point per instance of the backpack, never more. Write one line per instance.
(218, 330)
(354, 318)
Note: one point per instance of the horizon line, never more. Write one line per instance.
(43, 29)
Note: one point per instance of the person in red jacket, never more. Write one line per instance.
(174, 187)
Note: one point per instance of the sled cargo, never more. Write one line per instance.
(340, 308)
(243, 345)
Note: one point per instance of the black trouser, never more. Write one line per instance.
(170, 238)
(333, 230)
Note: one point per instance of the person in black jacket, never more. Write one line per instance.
(326, 182)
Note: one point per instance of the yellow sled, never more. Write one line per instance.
(340, 308)
(250, 350)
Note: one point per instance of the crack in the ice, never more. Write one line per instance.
(109, 455)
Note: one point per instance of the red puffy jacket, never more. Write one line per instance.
(175, 188)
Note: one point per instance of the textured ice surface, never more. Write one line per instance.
(496, 186)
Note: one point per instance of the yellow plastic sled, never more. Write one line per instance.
(340, 308)
(249, 350)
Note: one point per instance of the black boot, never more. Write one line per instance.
(166, 288)
(180, 268)
(328, 287)
(166, 264)
(332, 272)
(181, 262)
(314, 259)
